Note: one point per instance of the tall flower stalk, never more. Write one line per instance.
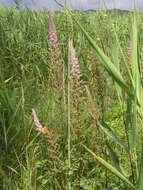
(57, 72)
(77, 88)
(56, 65)
(77, 104)
(69, 120)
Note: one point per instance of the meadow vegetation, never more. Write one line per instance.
(85, 111)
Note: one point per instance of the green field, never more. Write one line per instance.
(91, 138)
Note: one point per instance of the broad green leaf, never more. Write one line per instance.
(124, 60)
(137, 81)
(131, 122)
(110, 167)
(134, 61)
(105, 61)
(112, 135)
(114, 158)
(115, 58)
(140, 184)
(128, 114)
(134, 127)
(136, 66)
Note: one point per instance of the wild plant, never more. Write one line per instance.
(57, 73)
(134, 112)
(56, 95)
(78, 104)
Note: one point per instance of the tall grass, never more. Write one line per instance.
(30, 79)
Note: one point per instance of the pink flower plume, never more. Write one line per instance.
(74, 60)
(53, 37)
(37, 123)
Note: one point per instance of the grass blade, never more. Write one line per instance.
(110, 167)
(114, 158)
(112, 135)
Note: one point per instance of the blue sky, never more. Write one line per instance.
(79, 4)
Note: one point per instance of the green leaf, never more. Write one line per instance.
(124, 60)
(115, 58)
(134, 61)
(136, 66)
(128, 114)
(110, 167)
(112, 135)
(140, 183)
(131, 122)
(134, 127)
(114, 158)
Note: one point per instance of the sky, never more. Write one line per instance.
(78, 4)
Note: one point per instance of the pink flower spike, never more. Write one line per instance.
(87, 91)
(74, 60)
(37, 123)
(53, 37)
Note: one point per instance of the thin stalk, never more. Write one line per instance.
(65, 109)
(69, 124)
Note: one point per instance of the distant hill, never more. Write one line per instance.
(108, 11)
(111, 11)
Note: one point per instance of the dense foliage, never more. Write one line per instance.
(30, 160)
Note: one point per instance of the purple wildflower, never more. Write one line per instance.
(53, 37)
(37, 123)
(75, 66)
